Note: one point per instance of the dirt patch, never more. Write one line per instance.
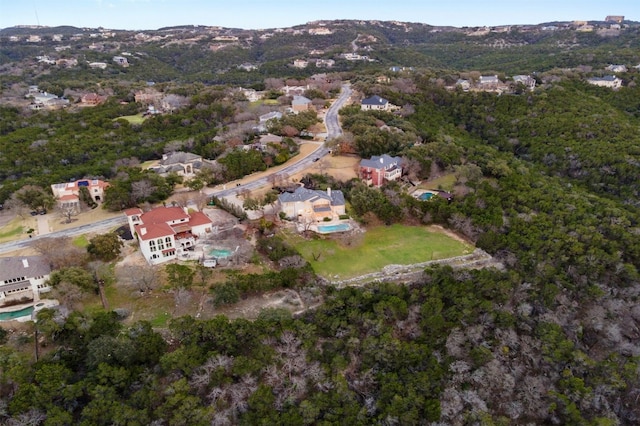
(250, 308)
(342, 168)
(451, 234)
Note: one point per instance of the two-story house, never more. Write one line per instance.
(311, 205)
(68, 194)
(23, 278)
(610, 81)
(380, 169)
(164, 233)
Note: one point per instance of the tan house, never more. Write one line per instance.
(68, 194)
(311, 205)
(300, 103)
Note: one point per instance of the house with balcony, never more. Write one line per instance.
(165, 233)
(379, 170)
(307, 205)
(68, 194)
(23, 278)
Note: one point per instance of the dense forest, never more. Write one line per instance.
(546, 182)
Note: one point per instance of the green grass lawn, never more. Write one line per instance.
(81, 241)
(380, 246)
(445, 183)
(133, 119)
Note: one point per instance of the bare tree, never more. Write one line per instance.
(67, 213)
(142, 189)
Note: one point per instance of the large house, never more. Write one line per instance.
(23, 278)
(68, 194)
(380, 169)
(182, 163)
(375, 103)
(311, 205)
(164, 233)
(606, 81)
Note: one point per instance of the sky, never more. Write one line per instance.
(263, 14)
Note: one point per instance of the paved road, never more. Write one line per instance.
(333, 130)
(103, 225)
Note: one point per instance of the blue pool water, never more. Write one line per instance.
(340, 227)
(426, 196)
(220, 253)
(4, 316)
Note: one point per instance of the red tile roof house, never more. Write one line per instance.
(166, 232)
(380, 169)
(23, 278)
(67, 194)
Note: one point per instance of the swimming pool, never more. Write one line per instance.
(426, 196)
(327, 229)
(5, 316)
(219, 253)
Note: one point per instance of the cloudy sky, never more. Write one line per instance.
(258, 14)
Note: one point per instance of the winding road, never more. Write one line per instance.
(333, 130)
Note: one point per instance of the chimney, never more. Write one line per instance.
(143, 231)
(329, 192)
(25, 263)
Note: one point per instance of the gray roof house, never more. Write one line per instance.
(300, 103)
(23, 277)
(183, 163)
(307, 204)
(380, 169)
(374, 102)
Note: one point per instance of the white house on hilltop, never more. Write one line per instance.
(164, 233)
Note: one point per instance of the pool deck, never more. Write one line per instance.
(301, 227)
(38, 305)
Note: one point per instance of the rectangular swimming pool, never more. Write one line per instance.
(327, 229)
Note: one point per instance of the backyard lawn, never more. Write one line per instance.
(133, 119)
(378, 247)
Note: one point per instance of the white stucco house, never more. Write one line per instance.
(164, 233)
(23, 278)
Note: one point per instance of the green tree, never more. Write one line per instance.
(180, 275)
(105, 247)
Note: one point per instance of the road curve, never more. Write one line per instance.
(332, 123)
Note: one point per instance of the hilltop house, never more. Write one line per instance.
(68, 194)
(23, 278)
(375, 103)
(182, 163)
(309, 205)
(380, 169)
(606, 81)
(526, 80)
(164, 233)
